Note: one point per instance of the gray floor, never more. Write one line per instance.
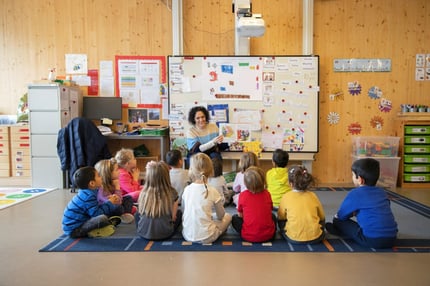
(30, 225)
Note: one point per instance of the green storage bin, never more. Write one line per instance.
(417, 139)
(416, 149)
(154, 132)
(416, 168)
(416, 178)
(417, 158)
(409, 129)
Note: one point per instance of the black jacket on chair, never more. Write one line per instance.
(80, 144)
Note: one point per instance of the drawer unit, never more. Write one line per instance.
(20, 151)
(416, 154)
(51, 107)
(4, 152)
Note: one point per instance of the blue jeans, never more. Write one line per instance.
(93, 223)
(352, 229)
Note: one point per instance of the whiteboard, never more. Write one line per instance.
(270, 99)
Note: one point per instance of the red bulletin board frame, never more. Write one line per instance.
(163, 73)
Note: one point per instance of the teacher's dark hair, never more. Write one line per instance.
(194, 110)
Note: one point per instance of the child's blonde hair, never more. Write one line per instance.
(124, 156)
(201, 168)
(156, 198)
(105, 168)
(247, 160)
(254, 179)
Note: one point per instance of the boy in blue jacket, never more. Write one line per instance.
(375, 225)
(83, 215)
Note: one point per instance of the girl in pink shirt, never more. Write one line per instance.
(128, 173)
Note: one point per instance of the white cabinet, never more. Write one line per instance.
(51, 107)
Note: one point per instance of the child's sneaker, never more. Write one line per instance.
(115, 220)
(102, 232)
(332, 229)
(127, 218)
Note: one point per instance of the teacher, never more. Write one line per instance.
(203, 136)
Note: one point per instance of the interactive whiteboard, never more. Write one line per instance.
(270, 99)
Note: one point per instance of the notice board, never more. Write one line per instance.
(269, 99)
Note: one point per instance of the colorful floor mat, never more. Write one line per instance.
(413, 219)
(12, 196)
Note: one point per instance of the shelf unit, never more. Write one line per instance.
(157, 146)
(414, 148)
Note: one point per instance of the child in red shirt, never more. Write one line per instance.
(255, 221)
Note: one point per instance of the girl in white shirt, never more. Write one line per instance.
(198, 201)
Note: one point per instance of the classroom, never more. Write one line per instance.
(373, 60)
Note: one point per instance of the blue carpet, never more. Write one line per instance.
(412, 238)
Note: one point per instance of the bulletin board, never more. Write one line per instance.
(139, 80)
(270, 99)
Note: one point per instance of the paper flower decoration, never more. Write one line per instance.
(354, 88)
(336, 94)
(377, 122)
(354, 128)
(375, 92)
(385, 105)
(333, 118)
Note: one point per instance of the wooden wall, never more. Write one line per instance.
(36, 34)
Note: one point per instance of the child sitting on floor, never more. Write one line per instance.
(83, 216)
(158, 216)
(247, 159)
(301, 216)
(128, 173)
(277, 177)
(218, 182)
(178, 176)
(199, 200)
(108, 170)
(375, 225)
(255, 221)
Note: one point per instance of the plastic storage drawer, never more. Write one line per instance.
(424, 149)
(417, 158)
(417, 139)
(417, 129)
(416, 178)
(416, 168)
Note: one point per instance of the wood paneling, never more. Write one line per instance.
(36, 34)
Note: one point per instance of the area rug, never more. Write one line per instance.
(12, 196)
(412, 217)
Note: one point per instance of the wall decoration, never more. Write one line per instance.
(375, 92)
(385, 105)
(333, 118)
(377, 122)
(336, 94)
(362, 65)
(354, 128)
(354, 88)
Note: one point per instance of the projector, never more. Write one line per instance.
(250, 26)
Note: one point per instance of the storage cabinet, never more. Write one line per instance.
(414, 130)
(20, 151)
(4, 152)
(51, 107)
